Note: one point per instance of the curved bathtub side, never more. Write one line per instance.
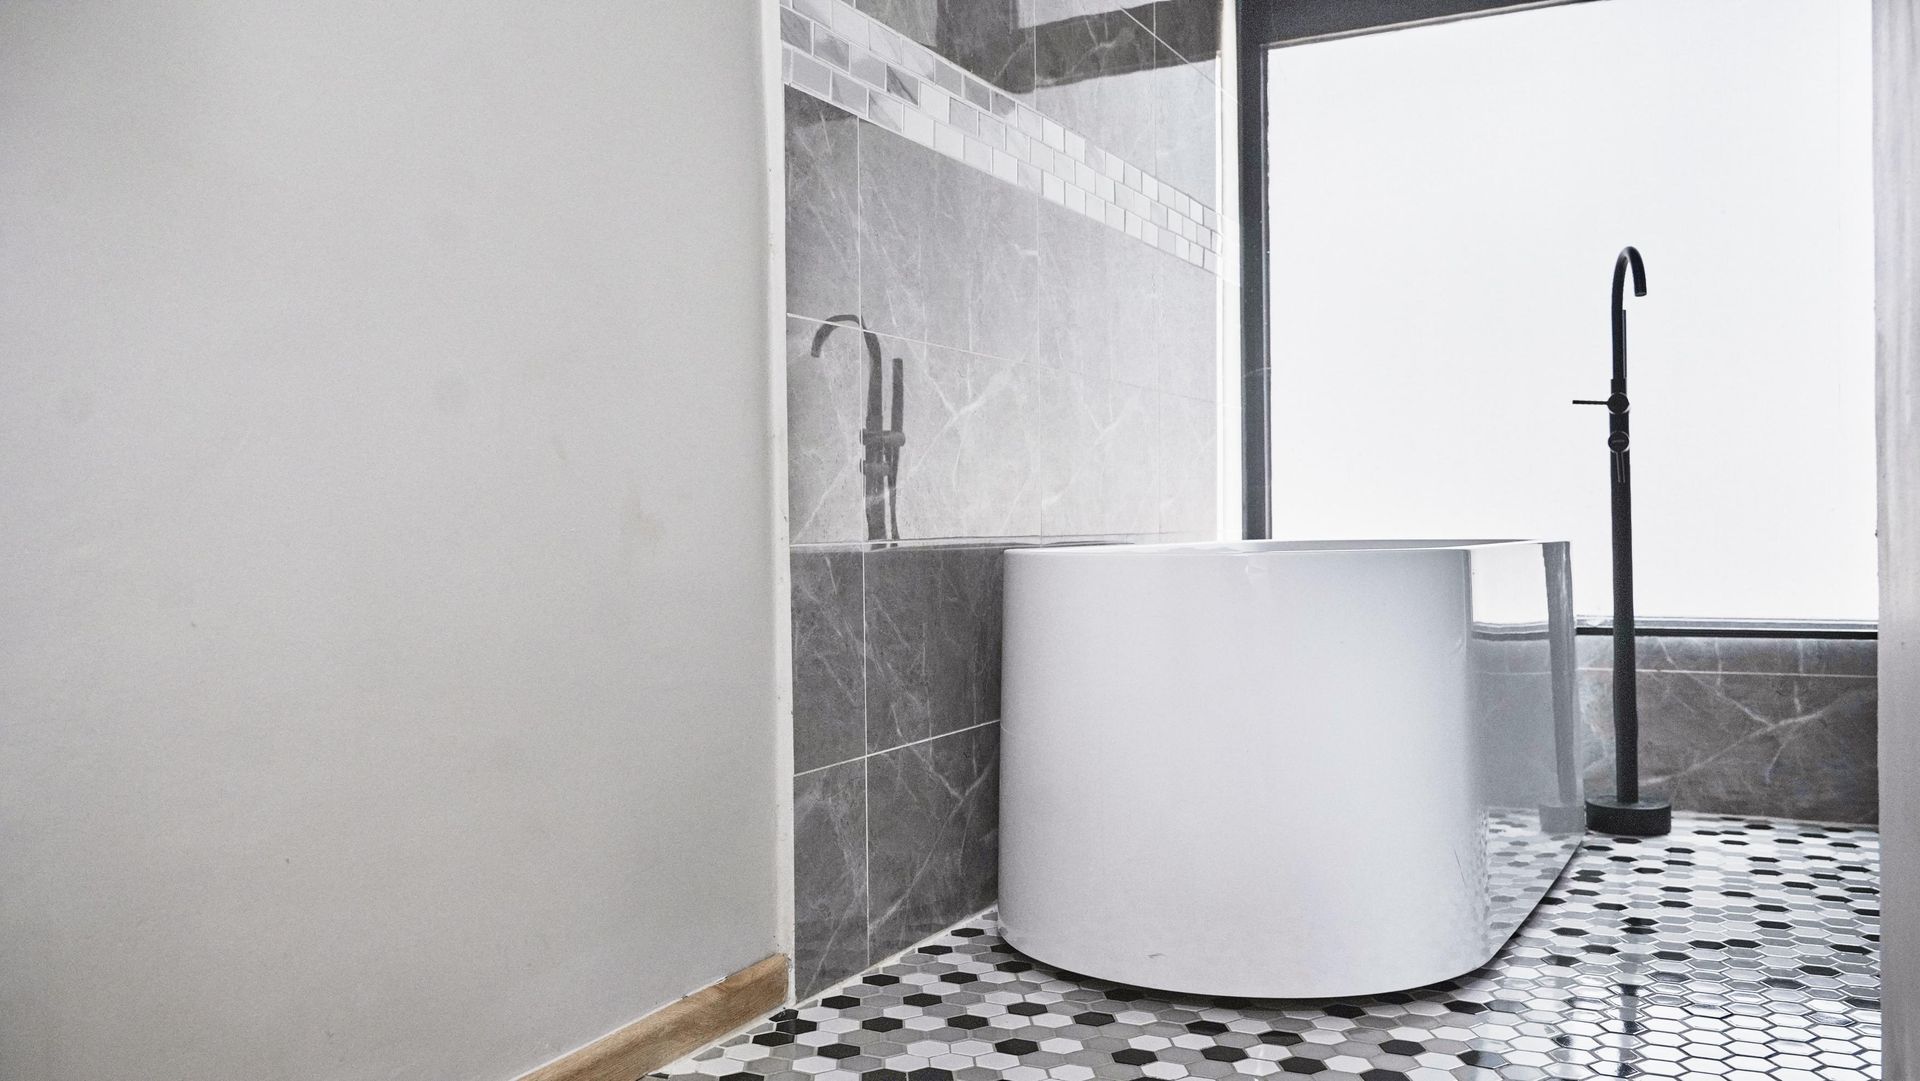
(1526, 709)
(1245, 773)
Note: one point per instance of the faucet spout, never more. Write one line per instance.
(1629, 258)
(835, 322)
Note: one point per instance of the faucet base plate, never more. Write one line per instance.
(1641, 818)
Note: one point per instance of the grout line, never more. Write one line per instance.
(866, 898)
(1032, 364)
(866, 779)
(999, 544)
(1154, 33)
(895, 747)
(842, 984)
(1735, 672)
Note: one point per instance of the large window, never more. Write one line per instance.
(1446, 205)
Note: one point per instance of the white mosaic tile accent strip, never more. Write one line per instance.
(845, 57)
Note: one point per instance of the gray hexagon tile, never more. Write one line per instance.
(1735, 949)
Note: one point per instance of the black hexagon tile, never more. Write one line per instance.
(1734, 950)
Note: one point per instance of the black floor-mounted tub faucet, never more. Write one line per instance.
(1627, 813)
(880, 443)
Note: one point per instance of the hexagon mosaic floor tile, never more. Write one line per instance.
(1736, 949)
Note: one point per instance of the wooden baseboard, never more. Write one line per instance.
(675, 1030)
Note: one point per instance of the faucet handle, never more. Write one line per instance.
(1615, 403)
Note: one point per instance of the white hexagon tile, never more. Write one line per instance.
(1736, 949)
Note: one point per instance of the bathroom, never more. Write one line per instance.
(760, 439)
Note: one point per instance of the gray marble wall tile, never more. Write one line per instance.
(911, 284)
(1701, 653)
(1185, 127)
(1071, 413)
(1112, 308)
(966, 469)
(1838, 656)
(933, 658)
(1135, 311)
(1188, 338)
(965, 667)
(934, 665)
(1800, 656)
(1095, 75)
(1130, 455)
(948, 254)
(900, 599)
(1793, 746)
(1072, 420)
(830, 875)
(994, 237)
(1075, 293)
(823, 264)
(1038, 343)
(829, 658)
(994, 448)
(1038, 12)
(917, 19)
(934, 835)
(1009, 450)
(988, 39)
(1188, 464)
(1190, 27)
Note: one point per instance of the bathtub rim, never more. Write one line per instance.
(1343, 546)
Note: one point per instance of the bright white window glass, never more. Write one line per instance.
(1446, 205)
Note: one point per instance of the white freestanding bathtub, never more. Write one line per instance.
(1284, 769)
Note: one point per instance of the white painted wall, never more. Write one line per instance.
(387, 671)
(1896, 63)
(1448, 203)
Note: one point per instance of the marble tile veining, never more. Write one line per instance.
(909, 227)
(933, 664)
(1804, 746)
(1770, 656)
(935, 835)
(1096, 76)
(1190, 27)
(1735, 949)
(830, 874)
(995, 237)
(823, 270)
(901, 609)
(917, 19)
(1745, 725)
(829, 654)
(988, 40)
